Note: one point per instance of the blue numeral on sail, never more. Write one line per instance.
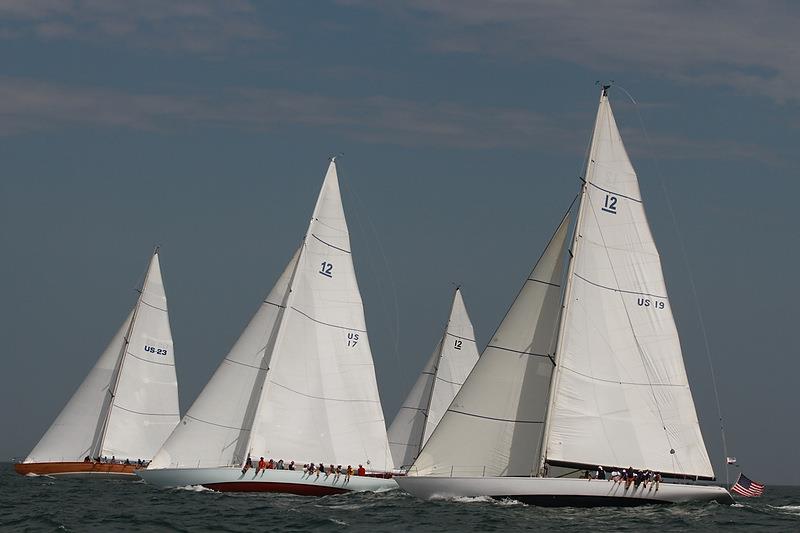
(327, 269)
(610, 204)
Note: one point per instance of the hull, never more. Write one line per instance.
(231, 479)
(562, 492)
(77, 468)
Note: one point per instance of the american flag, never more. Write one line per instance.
(747, 487)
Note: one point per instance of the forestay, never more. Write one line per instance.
(128, 403)
(437, 385)
(621, 393)
(494, 425)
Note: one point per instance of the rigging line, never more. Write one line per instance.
(392, 283)
(692, 284)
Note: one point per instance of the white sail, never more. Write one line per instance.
(494, 425)
(448, 367)
(145, 399)
(307, 388)
(320, 401)
(621, 395)
(210, 431)
(70, 437)
(145, 410)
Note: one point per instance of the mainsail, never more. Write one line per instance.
(621, 393)
(597, 380)
(299, 384)
(437, 385)
(128, 404)
(494, 425)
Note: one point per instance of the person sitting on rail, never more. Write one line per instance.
(291, 466)
(280, 466)
(262, 465)
(349, 473)
(361, 471)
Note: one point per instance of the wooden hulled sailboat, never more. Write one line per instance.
(127, 405)
(298, 385)
(588, 377)
(437, 385)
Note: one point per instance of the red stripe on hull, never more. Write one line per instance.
(301, 489)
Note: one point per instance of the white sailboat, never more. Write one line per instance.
(588, 377)
(298, 385)
(437, 385)
(127, 405)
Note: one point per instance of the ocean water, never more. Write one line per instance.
(47, 504)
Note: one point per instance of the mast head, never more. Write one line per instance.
(606, 85)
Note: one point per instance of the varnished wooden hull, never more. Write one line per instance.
(77, 468)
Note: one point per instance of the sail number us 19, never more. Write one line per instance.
(647, 302)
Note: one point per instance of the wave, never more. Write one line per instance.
(506, 502)
(195, 488)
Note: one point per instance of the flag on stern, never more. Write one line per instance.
(747, 487)
(731, 460)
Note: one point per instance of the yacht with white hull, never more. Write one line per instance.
(585, 378)
(298, 385)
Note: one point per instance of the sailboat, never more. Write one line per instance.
(127, 405)
(437, 385)
(298, 386)
(588, 378)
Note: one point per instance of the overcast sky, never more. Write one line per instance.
(206, 126)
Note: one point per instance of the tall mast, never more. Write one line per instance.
(105, 411)
(567, 298)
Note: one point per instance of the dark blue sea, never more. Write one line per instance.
(46, 504)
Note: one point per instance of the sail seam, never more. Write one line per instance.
(146, 361)
(245, 364)
(517, 351)
(459, 337)
(153, 306)
(448, 381)
(613, 192)
(543, 282)
(623, 382)
(620, 290)
(323, 398)
(328, 324)
(144, 414)
(331, 245)
(497, 419)
(215, 424)
(273, 303)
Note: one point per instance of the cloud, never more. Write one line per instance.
(751, 46)
(202, 26)
(31, 106)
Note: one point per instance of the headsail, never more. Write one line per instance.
(448, 367)
(307, 388)
(210, 432)
(621, 393)
(494, 425)
(128, 403)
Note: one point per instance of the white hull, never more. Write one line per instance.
(561, 492)
(231, 479)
